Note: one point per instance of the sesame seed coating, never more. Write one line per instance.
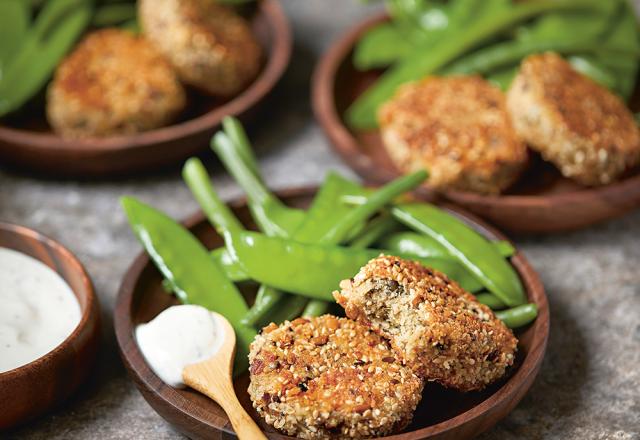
(330, 377)
(113, 83)
(436, 327)
(578, 125)
(210, 45)
(458, 129)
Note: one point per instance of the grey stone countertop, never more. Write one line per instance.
(589, 385)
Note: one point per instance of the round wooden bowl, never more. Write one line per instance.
(27, 141)
(30, 390)
(442, 414)
(541, 201)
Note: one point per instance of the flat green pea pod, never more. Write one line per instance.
(56, 29)
(380, 47)
(468, 247)
(589, 66)
(315, 270)
(518, 316)
(186, 265)
(14, 24)
(425, 60)
(113, 14)
(420, 245)
(490, 300)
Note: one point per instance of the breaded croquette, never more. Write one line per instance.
(113, 83)
(209, 44)
(578, 125)
(458, 129)
(329, 377)
(441, 331)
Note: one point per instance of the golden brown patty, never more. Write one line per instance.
(210, 45)
(458, 129)
(438, 329)
(330, 377)
(584, 129)
(113, 83)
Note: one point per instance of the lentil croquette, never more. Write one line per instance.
(329, 377)
(436, 327)
(209, 44)
(458, 129)
(578, 125)
(113, 83)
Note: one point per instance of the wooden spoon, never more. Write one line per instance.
(213, 379)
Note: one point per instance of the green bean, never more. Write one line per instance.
(14, 25)
(362, 113)
(186, 264)
(315, 307)
(269, 213)
(315, 270)
(507, 54)
(374, 230)
(380, 46)
(467, 246)
(113, 14)
(42, 50)
(490, 300)
(220, 216)
(131, 26)
(503, 77)
(518, 316)
(589, 67)
(233, 128)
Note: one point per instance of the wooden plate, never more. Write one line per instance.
(30, 390)
(542, 200)
(442, 414)
(29, 143)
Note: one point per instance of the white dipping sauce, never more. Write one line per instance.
(38, 310)
(177, 337)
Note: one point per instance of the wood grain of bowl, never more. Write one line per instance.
(442, 414)
(27, 141)
(541, 201)
(30, 390)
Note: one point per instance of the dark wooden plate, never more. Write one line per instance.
(442, 414)
(28, 142)
(541, 201)
(30, 390)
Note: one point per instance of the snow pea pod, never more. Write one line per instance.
(113, 14)
(467, 246)
(490, 300)
(42, 50)
(380, 47)
(315, 270)
(186, 264)
(362, 113)
(518, 316)
(421, 245)
(14, 25)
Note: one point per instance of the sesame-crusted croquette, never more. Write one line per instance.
(113, 83)
(436, 327)
(458, 129)
(209, 44)
(329, 377)
(575, 123)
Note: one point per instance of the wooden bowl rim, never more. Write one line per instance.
(87, 291)
(341, 139)
(272, 71)
(125, 330)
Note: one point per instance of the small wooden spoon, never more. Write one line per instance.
(213, 379)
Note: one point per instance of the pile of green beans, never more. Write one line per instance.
(490, 38)
(299, 256)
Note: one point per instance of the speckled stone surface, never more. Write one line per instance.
(589, 386)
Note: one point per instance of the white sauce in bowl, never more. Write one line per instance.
(38, 309)
(177, 337)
